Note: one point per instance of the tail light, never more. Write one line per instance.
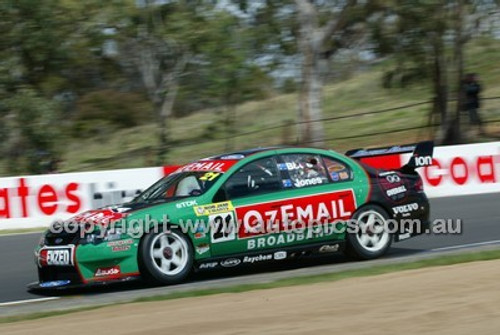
(419, 185)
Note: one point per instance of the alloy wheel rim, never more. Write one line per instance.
(169, 253)
(372, 234)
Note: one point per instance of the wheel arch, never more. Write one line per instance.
(384, 206)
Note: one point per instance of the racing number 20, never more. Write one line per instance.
(223, 227)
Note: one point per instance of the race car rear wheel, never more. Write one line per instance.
(371, 239)
(166, 257)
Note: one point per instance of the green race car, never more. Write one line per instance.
(255, 206)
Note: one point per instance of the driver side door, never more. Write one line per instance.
(258, 182)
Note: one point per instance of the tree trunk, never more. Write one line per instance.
(310, 95)
(459, 60)
(440, 88)
(313, 38)
(305, 131)
(171, 84)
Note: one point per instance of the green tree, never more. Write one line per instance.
(160, 42)
(316, 31)
(425, 35)
(32, 133)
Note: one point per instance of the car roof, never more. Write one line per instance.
(238, 155)
(223, 162)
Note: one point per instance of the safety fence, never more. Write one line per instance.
(394, 125)
(491, 115)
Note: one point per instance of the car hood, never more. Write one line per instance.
(104, 216)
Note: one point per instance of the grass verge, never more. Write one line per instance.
(329, 277)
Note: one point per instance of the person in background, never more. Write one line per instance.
(472, 90)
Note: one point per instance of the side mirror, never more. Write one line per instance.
(195, 193)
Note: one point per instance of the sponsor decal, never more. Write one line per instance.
(404, 236)
(234, 156)
(230, 262)
(202, 248)
(258, 258)
(282, 167)
(344, 175)
(187, 204)
(208, 165)
(393, 178)
(209, 176)
(102, 216)
(199, 231)
(120, 243)
(386, 173)
(120, 248)
(308, 182)
(291, 166)
(284, 214)
(405, 209)
(396, 191)
(216, 208)
(55, 283)
(108, 271)
(327, 248)
(393, 186)
(279, 255)
(287, 183)
(383, 151)
(422, 161)
(223, 227)
(284, 239)
(56, 257)
(335, 176)
(200, 227)
(210, 265)
(336, 168)
(199, 235)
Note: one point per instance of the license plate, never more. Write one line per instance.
(56, 257)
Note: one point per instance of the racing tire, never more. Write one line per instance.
(371, 238)
(165, 257)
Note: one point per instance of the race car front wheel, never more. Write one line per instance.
(371, 238)
(165, 257)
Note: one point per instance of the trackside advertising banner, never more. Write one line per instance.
(462, 170)
(33, 201)
(456, 170)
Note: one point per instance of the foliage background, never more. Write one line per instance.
(88, 85)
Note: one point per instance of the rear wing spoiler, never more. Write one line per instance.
(422, 153)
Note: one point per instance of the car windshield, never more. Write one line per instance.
(179, 185)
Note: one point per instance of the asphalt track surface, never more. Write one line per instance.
(480, 215)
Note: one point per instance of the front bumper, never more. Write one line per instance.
(76, 265)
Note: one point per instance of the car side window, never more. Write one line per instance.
(337, 170)
(303, 170)
(257, 177)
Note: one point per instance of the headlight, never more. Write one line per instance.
(113, 234)
(106, 235)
